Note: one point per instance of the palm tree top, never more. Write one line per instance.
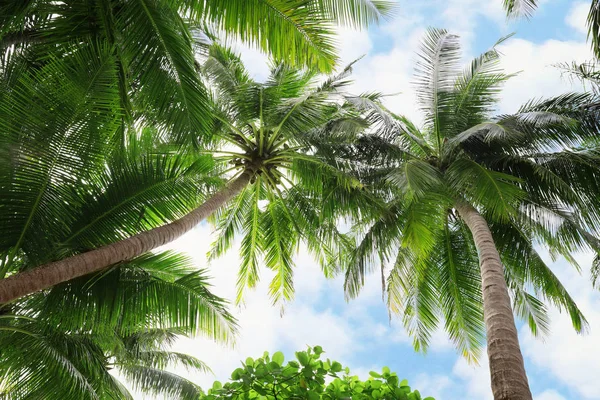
(277, 131)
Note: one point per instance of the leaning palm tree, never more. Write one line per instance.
(68, 343)
(77, 70)
(469, 197)
(269, 134)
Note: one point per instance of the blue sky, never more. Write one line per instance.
(562, 366)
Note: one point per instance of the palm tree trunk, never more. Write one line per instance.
(509, 380)
(45, 276)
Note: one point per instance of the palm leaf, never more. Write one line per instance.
(518, 8)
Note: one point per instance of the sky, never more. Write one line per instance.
(561, 366)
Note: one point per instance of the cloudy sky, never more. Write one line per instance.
(561, 366)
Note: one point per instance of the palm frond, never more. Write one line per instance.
(460, 291)
(435, 73)
(279, 246)
(519, 8)
(60, 146)
(498, 193)
(160, 382)
(530, 309)
(155, 290)
(170, 88)
(593, 24)
(297, 32)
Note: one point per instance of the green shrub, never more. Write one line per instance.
(308, 377)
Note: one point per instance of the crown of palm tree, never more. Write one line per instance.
(280, 129)
(528, 174)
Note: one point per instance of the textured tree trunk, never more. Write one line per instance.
(53, 273)
(509, 380)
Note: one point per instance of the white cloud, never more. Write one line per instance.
(391, 74)
(352, 44)
(549, 395)
(262, 328)
(537, 77)
(476, 378)
(577, 16)
(432, 385)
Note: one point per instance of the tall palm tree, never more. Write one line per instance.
(66, 343)
(277, 127)
(468, 198)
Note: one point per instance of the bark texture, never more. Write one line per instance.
(45, 276)
(509, 380)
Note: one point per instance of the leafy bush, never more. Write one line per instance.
(308, 377)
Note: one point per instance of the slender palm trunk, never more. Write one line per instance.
(53, 273)
(509, 380)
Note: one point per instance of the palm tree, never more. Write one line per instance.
(66, 343)
(277, 126)
(468, 197)
(281, 129)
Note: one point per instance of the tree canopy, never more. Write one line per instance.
(308, 377)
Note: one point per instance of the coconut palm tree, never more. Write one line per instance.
(277, 127)
(68, 343)
(469, 197)
(280, 129)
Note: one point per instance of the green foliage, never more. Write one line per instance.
(309, 377)
(297, 32)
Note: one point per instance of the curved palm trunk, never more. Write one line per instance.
(53, 273)
(509, 380)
